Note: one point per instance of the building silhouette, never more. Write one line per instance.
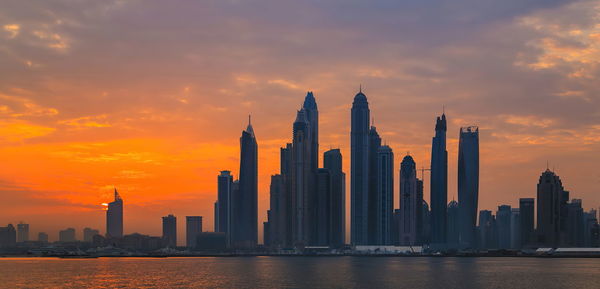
(323, 205)
(245, 202)
(193, 228)
(89, 233)
(410, 205)
(551, 209)
(67, 235)
(359, 170)
(374, 220)
(503, 222)
(468, 184)
(526, 221)
(302, 193)
(22, 232)
(169, 230)
(42, 237)
(8, 236)
(515, 229)
(114, 217)
(439, 183)
(575, 224)
(487, 230)
(384, 197)
(332, 161)
(223, 206)
(452, 227)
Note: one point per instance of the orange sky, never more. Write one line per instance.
(151, 98)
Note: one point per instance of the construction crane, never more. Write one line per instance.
(423, 169)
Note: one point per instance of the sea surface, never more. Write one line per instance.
(300, 272)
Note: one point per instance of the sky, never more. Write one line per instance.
(151, 96)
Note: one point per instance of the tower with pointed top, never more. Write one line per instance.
(312, 116)
(439, 183)
(359, 170)
(245, 202)
(114, 217)
(301, 181)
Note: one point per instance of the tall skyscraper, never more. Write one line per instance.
(332, 160)
(193, 228)
(312, 116)
(384, 197)
(323, 205)
(526, 221)
(224, 188)
(408, 202)
(302, 179)
(89, 233)
(245, 228)
(486, 230)
(373, 193)
(503, 224)
(468, 184)
(169, 230)
(550, 195)
(114, 217)
(22, 232)
(439, 183)
(359, 170)
(575, 224)
(515, 229)
(276, 214)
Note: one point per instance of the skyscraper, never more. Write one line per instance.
(193, 228)
(301, 179)
(359, 170)
(114, 217)
(408, 202)
(373, 193)
(515, 229)
(503, 224)
(169, 230)
(486, 230)
(66, 235)
(439, 183)
(384, 197)
(323, 205)
(452, 225)
(8, 236)
(312, 116)
(550, 194)
(526, 221)
(332, 160)
(224, 188)
(22, 232)
(245, 227)
(575, 224)
(468, 184)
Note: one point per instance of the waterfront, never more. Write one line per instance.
(300, 272)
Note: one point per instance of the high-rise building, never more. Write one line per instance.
(426, 224)
(487, 239)
(452, 226)
(515, 229)
(503, 223)
(409, 202)
(312, 116)
(359, 170)
(384, 197)
(224, 188)
(89, 233)
(8, 236)
(374, 237)
(22, 232)
(526, 221)
(193, 228)
(114, 217)
(332, 160)
(590, 222)
(302, 180)
(468, 184)
(276, 213)
(575, 224)
(67, 235)
(245, 211)
(323, 205)
(169, 230)
(439, 183)
(216, 217)
(550, 209)
(42, 237)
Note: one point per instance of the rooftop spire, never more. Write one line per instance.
(249, 129)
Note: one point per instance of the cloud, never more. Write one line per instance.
(20, 131)
(12, 30)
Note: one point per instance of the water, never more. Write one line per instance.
(300, 272)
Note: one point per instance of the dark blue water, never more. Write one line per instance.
(300, 272)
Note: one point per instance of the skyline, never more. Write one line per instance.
(72, 126)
